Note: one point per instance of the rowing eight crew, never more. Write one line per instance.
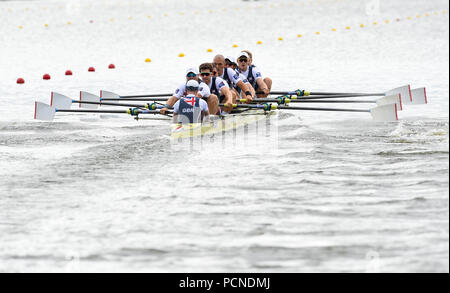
(222, 81)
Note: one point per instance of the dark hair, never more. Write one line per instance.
(206, 66)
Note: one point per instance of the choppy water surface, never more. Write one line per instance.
(317, 192)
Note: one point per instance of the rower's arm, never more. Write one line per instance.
(242, 86)
(263, 86)
(227, 93)
(171, 101)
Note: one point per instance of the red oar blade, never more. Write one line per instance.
(43, 111)
(385, 113)
(419, 96)
(88, 97)
(60, 101)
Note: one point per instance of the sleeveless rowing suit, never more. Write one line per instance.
(189, 109)
(216, 84)
(252, 74)
(231, 76)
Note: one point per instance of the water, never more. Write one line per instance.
(324, 192)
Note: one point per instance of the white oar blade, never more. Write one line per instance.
(106, 94)
(60, 101)
(43, 111)
(404, 91)
(88, 97)
(385, 113)
(393, 99)
(419, 96)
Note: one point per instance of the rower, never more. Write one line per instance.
(232, 78)
(253, 75)
(230, 62)
(191, 108)
(219, 88)
(203, 92)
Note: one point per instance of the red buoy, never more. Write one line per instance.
(111, 66)
(68, 72)
(91, 69)
(46, 76)
(20, 80)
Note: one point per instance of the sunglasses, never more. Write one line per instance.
(191, 74)
(243, 60)
(205, 73)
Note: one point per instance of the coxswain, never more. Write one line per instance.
(218, 87)
(232, 78)
(191, 108)
(253, 75)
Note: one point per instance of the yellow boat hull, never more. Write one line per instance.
(218, 125)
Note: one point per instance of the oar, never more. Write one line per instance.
(385, 113)
(45, 112)
(107, 96)
(394, 99)
(404, 91)
(60, 102)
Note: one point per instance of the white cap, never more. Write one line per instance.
(243, 54)
(192, 84)
(231, 59)
(192, 69)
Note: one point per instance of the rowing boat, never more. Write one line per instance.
(219, 124)
(242, 114)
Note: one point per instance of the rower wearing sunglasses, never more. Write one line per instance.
(253, 75)
(191, 108)
(203, 92)
(219, 88)
(230, 62)
(232, 77)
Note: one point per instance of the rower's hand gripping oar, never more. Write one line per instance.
(385, 113)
